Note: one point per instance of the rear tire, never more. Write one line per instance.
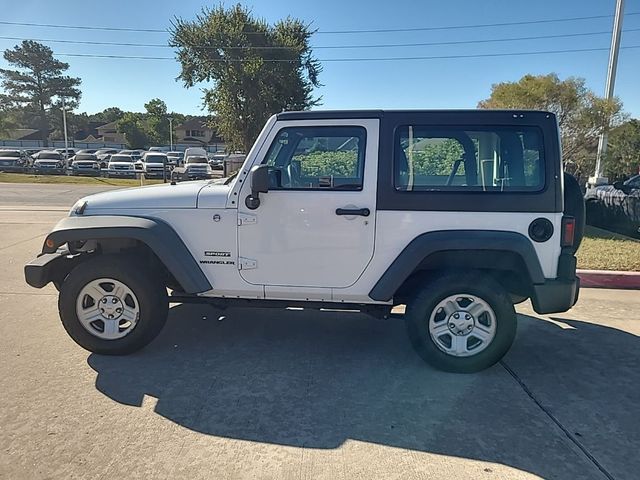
(461, 323)
(113, 304)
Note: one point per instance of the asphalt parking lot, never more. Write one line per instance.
(301, 395)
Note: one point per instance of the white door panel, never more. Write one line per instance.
(298, 239)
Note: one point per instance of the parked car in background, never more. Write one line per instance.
(104, 154)
(154, 164)
(121, 165)
(135, 154)
(159, 149)
(87, 150)
(175, 158)
(13, 161)
(85, 164)
(49, 162)
(195, 167)
(615, 207)
(66, 152)
(216, 161)
(31, 152)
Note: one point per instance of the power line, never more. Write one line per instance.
(318, 47)
(377, 59)
(383, 30)
(479, 25)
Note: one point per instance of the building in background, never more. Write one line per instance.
(195, 132)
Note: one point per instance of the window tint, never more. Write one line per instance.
(324, 158)
(468, 158)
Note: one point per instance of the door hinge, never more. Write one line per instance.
(247, 219)
(246, 263)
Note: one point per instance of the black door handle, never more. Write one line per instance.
(363, 212)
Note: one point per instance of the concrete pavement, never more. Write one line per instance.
(297, 394)
(46, 196)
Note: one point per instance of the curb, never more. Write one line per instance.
(609, 279)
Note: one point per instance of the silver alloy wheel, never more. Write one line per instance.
(462, 325)
(107, 308)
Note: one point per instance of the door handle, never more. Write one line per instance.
(363, 212)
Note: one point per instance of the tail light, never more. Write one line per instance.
(568, 231)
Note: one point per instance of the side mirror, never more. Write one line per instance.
(618, 185)
(259, 181)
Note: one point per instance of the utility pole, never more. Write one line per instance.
(64, 126)
(598, 179)
(171, 132)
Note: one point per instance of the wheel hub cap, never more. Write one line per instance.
(111, 307)
(461, 323)
(107, 308)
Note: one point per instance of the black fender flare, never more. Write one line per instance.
(421, 247)
(155, 233)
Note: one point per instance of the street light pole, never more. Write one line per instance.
(597, 179)
(64, 126)
(171, 132)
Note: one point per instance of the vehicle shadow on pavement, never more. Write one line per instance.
(317, 379)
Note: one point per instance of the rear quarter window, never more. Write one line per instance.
(468, 158)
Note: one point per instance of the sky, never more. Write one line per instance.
(410, 83)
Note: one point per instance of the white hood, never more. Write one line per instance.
(181, 195)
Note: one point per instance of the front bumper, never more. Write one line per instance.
(122, 173)
(49, 267)
(48, 170)
(85, 171)
(12, 168)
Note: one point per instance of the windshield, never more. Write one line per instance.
(85, 156)
(155, 159)
(10, 153)
(197, 160)
(49, 156)
(122, 158)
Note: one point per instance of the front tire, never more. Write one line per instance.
(461, 323)
(113, 305)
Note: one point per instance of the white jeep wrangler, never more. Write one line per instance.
(455, 214)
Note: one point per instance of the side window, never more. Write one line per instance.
(317, 158)
(468, 159)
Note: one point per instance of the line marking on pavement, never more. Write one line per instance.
(30, 293)
(22, 241)
(553, 418)
(32, 208)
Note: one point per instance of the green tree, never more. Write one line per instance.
(623, 154)
(38, 83)
(134, 129)
(108, 115)
(257, 69)
(582, 115)
(157, 122)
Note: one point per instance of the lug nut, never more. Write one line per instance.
(113, 300)
(469, 327)
(104, 300)
(118, 310)
(457, 315)
(467, 316)
(452, 325)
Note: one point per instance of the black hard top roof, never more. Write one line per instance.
(343, 114)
